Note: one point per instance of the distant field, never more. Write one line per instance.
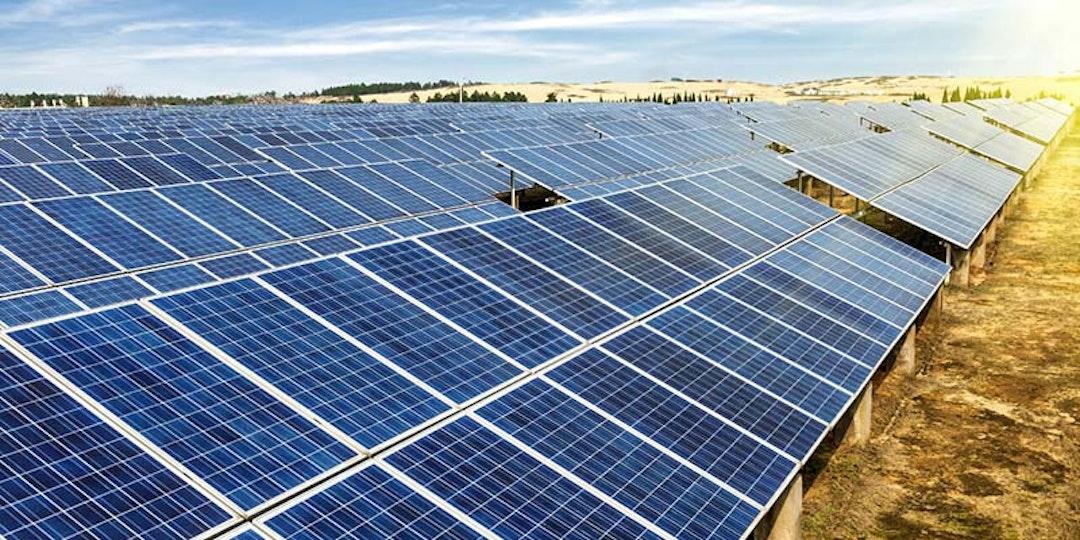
(880, 88)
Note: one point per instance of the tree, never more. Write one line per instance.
(955, 96)
(945, 95)
(414, 98)
(552, 97)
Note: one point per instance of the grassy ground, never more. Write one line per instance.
(984, 442)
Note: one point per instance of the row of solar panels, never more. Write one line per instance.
(528, 376)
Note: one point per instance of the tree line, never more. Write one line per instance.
(475, 97)
(364, 89)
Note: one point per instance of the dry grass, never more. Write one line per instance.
(985, 441)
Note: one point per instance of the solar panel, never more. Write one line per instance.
(218, 424)
(359, 198)
(315, 202)
(176, 277)
(46, 248)
(169, 223)
(370, 503)
(76, 177)
(108, 232)
(567, 305)
(489, 315)
(285, 254)
(592, 274)
(640, 264)
(65, 473)
(410, 337)
(16, 277)
(507, 490)
(233, 265)
(356, 393)
(275, 210)
(32, 183)
(107, 292)
(36, 307)
(677, 498)
(217, 211)
(388, 190)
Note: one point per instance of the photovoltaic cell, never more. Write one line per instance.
(115, 173)
(406, 335)
(35, 307)
(169, 223)
(223, 215)
(314, 201)
(176, 277)
(14, 277)
(329, 245)
(334, 378)
(108, 232)
(355, 196)
(505, 489)
(531, 284)
(616, 251)
(368, 504)
(718, 390)
(46, 248)
(32, 183)
(217, 423)
(286, 254)
(618, 463)
(109, 291)
(76, 177)
(690, 431)
(64, 473)
(270, 207)
(234, 265)
(577, 265)
(476, 307)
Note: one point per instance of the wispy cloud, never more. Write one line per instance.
(160, 26)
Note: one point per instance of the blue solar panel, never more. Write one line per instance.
(441, 221)
(619, 253)
(714, 242)
(506, 490)
(176, 277)
(46, 248)
(409, 228)
(286, 254)
(217, 423)
(476, 307)
(190, 168)
(270, 207)
(620, 464)
(427, 190)
(334, 378)
(36, 307)
(348, 192)
(368, 504)
(691, 431)
(223, 215)
(15, 277)
(31, 182)
(330, 245)
(109, 291)
(66, 474)
(234, 265)
(566, 304)
(730, 228)
(777, 227)
(168, 223)
(728, 395)
(404, 334)
(154, 170)
(76, 177)
(390, 191)
(314, 201)
(371, 236)
(108, 232)
(115, 173)
(737, 355)
(577, 265)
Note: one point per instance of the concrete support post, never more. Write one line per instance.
(978, 252)
(991, 230)
(905, 357)
(854, 427)
(832, 194)
(784, 520)
(961, 274)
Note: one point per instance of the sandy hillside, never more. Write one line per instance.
(897, 88)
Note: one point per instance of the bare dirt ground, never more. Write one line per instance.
(985, 441)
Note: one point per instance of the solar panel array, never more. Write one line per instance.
(314, 322)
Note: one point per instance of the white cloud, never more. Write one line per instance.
(158, 26)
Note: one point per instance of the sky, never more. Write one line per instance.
(204, 47)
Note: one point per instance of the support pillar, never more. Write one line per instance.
(905, 357)
(854, 428)
(990, 234)
(961, 274)
(832, 193)
(978, 252)
(784, 519)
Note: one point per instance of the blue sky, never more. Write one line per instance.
(226, 46)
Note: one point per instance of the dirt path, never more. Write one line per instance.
(985, 441)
